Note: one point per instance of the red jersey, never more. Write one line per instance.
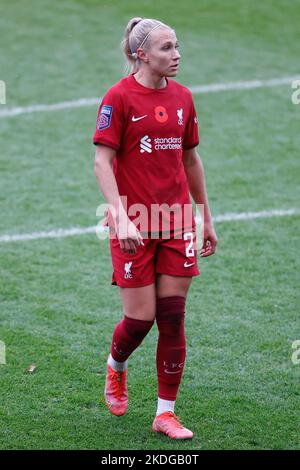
(149, 129)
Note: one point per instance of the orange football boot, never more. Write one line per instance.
(169, 424)
(116, 393)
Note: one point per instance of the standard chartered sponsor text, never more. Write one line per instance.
(168, 143)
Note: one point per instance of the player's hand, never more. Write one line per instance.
(209, 240)
(129, 236)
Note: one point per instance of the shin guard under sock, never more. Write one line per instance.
(171, 347)
(127, 336)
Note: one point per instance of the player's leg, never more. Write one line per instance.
(171, 352)
(139, 313)
(139, 307)
(168, 286)
(177, 263)
(171, 348)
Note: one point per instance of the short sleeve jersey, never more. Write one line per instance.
(149, 129)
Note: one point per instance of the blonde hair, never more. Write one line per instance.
(137, 34)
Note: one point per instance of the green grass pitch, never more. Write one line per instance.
(240, 389)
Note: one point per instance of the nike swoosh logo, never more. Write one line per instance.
(187, 265)
(138, 118)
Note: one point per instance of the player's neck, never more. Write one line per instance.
(151, 81)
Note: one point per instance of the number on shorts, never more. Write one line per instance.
(189, 250)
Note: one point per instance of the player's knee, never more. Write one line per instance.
(143, 314)
(170, 315)
(172, 326)
(137, 328)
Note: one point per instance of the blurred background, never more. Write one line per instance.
(240, 388)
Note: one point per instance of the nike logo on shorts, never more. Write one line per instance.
(187, 265)
(138, 118)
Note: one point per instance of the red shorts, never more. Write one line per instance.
(173, 256)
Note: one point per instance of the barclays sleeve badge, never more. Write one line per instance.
(104, 118)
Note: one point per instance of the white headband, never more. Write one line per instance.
(134, 54)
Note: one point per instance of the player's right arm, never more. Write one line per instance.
(128, 235)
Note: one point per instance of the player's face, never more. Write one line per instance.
(163, 53)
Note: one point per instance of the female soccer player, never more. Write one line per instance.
(146, 137)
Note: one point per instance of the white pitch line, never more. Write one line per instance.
(245, 85)
(60, 233)
(83, 102)
(212, 88)
(256, 215)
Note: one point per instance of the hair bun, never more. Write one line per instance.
(135, 21)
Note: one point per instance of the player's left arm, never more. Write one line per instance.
(194, 171)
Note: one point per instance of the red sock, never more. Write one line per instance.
(171, 347)
(128, 335)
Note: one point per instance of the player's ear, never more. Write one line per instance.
(142, 56)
